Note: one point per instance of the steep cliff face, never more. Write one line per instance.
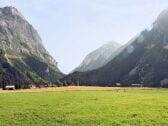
(144, 60)
(24, 60)
(99, 57)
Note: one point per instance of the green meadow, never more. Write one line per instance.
(85, 108)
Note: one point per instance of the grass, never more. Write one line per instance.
(117, 107)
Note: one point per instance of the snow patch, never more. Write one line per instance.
(130, 49)
(165, 47)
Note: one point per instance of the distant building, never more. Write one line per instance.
(118, 84)
(9, 87)
(32, 86)
(136, 85)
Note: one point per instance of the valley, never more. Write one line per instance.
(118, 83)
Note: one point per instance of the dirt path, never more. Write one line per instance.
(75, 88)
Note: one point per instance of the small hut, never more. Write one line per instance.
(9, 87)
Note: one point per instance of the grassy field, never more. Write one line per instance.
(84, 106)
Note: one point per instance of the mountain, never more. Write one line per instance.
(23, 58)
(144, 60)
(99, 57)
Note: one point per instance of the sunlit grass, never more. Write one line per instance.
(86, 108)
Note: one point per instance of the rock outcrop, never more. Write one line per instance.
(23, 58)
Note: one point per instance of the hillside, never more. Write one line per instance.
(144, 60)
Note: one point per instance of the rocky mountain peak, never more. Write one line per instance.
(111, 44)
(99, 57)
(10, 11)
(162, 20)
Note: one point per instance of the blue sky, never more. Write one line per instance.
(70, 29)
